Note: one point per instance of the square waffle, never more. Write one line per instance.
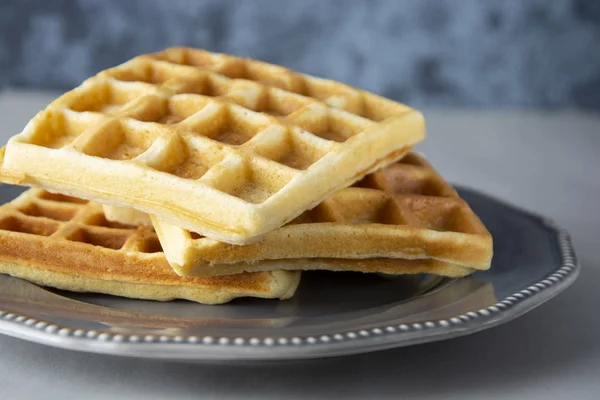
(394, 266)
(227, 147)
(67, 243)
(404, 211)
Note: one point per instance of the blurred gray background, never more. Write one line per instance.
(460, 53)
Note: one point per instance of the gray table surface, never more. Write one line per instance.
(543, 161)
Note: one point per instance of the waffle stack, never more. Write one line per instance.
(189, 174)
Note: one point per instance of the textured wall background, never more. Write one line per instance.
(509, 53)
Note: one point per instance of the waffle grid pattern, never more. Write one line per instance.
(406, 210)
(65, 242)
(222, 125)
(61, 217)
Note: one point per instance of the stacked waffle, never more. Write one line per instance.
(203, 176)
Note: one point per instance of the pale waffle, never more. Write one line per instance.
(404, 211)
(228, 147)
(64, 242)
(128, 216)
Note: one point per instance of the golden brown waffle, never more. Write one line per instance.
(228, 147)
(64, 242)
(376, 265)
(404, 211)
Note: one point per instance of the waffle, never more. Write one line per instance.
(127, 216)
(67, 243)
(374, 265)
(227, 147)
(404, 211)
(389, 266)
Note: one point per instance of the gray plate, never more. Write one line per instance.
(332, 313)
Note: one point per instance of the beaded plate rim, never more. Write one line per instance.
(198, 347)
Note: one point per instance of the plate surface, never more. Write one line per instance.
(331, 314)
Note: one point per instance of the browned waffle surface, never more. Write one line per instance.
(66, 242)
(228, 147)
(404, 211)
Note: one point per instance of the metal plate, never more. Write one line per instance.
(332, 313)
